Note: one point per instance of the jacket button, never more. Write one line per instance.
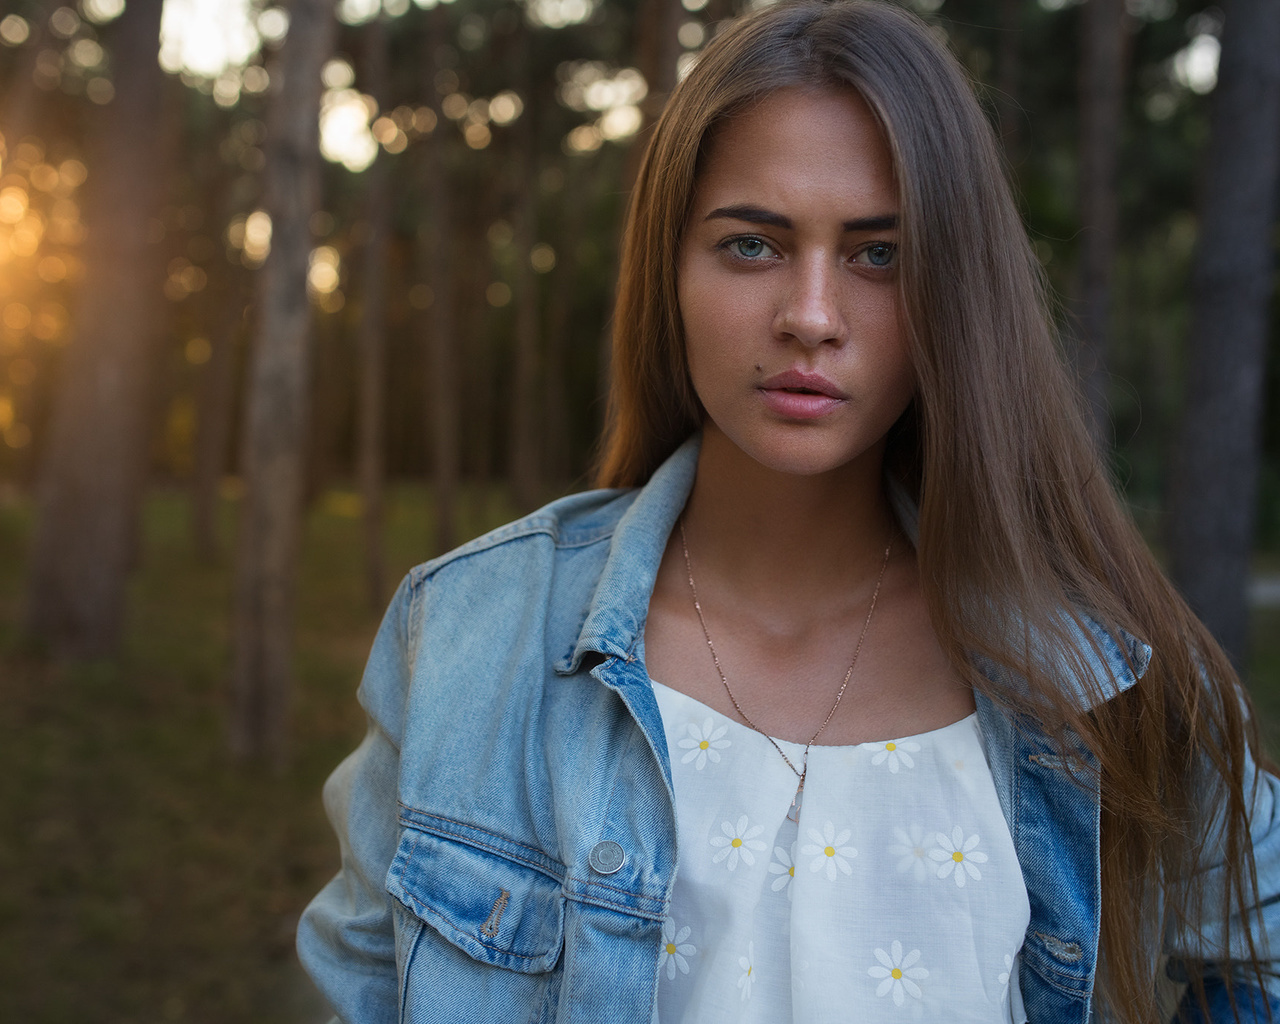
(606, 857)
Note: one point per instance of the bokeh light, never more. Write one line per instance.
(616, 94)
(252, 236)
(197, 351)
(102, 11)
(324, 270)
(558, 13)
(206, 37)
(505, 107)
(542, 258)
(64, 22)
(1196, 65)
(14, 30)
(345, 137)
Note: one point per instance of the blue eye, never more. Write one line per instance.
(881, 254)
(749, 247)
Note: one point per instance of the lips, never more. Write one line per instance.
(799, 395)
(800, 382)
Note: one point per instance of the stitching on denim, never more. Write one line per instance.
(499, 851)
(1050, 972)
(433, 912)
(416, 614)
(522, 529)
(630, 911)
(566, 879)
(490, 926)
(477, 828)
(471, 841)
(587, 883)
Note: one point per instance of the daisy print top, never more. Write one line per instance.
(897, 895)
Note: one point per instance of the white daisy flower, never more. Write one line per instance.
(896, 752)
(747, 964)
(958, 855)
(828, 851)
(738, 841)
(898, 972)
(675, 950)
(911, 849)
(784, 867)
(704, 744)
(1003, 977)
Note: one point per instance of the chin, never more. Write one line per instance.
(800, 455)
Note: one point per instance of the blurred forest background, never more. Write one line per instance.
(324, 290)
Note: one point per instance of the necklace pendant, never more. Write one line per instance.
(793, 814)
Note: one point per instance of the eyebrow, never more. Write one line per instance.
(757, 215)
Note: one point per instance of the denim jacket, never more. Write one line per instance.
(507, 826)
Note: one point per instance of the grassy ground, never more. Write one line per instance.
(144, 877)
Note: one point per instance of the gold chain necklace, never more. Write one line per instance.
(803, 770)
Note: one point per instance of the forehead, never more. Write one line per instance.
(800, 145)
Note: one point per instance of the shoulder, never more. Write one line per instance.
(582, 520)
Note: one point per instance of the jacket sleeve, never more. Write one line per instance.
(1208, 953)
(346, 937)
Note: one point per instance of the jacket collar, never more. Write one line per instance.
(1111, 664)
(615, 621)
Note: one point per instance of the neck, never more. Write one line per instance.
(786, 539)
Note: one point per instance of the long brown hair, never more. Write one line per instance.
(1020, 530)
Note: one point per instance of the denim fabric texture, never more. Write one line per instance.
(513, 730)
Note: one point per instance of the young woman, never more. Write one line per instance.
(856, 696)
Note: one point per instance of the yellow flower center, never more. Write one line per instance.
(703, 745)
(792, 871)
(897, 973)
(671, 949)
(736, 842)
(748, 972)
(891, 746)
(830, 851)
(957, 856)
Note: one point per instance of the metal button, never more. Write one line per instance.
(606, 857)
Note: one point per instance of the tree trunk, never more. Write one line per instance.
(524, 447)
(564, 291)
(442, 425)
(1215, 479)
(216, 403)
(1009, 81)
(1103, 53)
(275, 413)
(371, 343)
(20, 105)
(95, 462)
(328, 404)
(657, 49)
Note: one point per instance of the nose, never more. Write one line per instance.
(809, 308)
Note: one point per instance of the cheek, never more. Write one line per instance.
(884, 330)
(720, 321)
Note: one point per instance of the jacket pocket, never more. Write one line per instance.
(496, 909)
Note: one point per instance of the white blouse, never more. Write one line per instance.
(897, 896)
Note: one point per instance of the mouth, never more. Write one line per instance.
(800, 382)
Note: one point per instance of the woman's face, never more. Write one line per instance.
(788, 283)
